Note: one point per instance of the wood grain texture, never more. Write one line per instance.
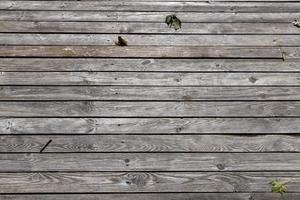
(154, 196)
(149, 109)
(96, 16)
(151, 6)
(135, 40)
(149, 125)
(139, 93)
(141, 27)
(145, 182)
(75, 162)
(149, 79)
(140, 52)
(150, 143)
(147, 65)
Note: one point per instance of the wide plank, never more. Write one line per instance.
(151, 6)
(149, 143)
(75, 162)
(132, 182)
(135, 40)
(140, 93)
(147, 65)
(142, 27)
(153, 196)
(149, 79)
(140, 52)
(160, 125)
(114, 16)
(149, 109)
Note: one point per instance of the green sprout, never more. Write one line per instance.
(278, 187)
(173, 22)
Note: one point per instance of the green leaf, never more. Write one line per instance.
(173, 22)
(278, 187)
(121, 42)
(296, 22)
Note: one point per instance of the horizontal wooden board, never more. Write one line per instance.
(151, 40)
(147, 65)
(153, 196)
(75, 162)
(145, 182)
(97, 16)
(140, 51)
(134, 93)
(149, 109)
(149, 125)
(149, 79)
(151, 6)
(150, 143)
(142, 27)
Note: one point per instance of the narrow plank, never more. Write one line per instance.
(149, 125)
(134, 93)
(149, 65)
(145, 182)
(141, 27)
(152, 6)
(149, 109)
(80, 162)
(151, 40)
(140, 52)
(150, 143)
(149, 79)
(155, 16)
(153, 196)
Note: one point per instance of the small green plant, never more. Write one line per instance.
(296, 22)
(121, 42)
(173, 22)
(278, 187)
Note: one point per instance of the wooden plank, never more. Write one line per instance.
(145, 182)
(151, 40)
(140, 52)
(150, 143)
(149, 109)
(149, 65)
(153, 196)
(81, 162)
(151, 6)
(149, 79)
(291, 53)
(97, 16)
(134, 93)
(141, 27)
(149, 125)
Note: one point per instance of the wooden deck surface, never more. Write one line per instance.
(208, 112)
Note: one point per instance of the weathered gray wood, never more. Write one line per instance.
(153, 65)
(151, 143)
(149, 79)
(149, 109)
(151, 6)
(157, 40)
(129, 93)
(154, 196)
(76, 162)
(145, 16)
(145, 182)
(141, 27)
(291, 53)
(149, 125)
(140, 51)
